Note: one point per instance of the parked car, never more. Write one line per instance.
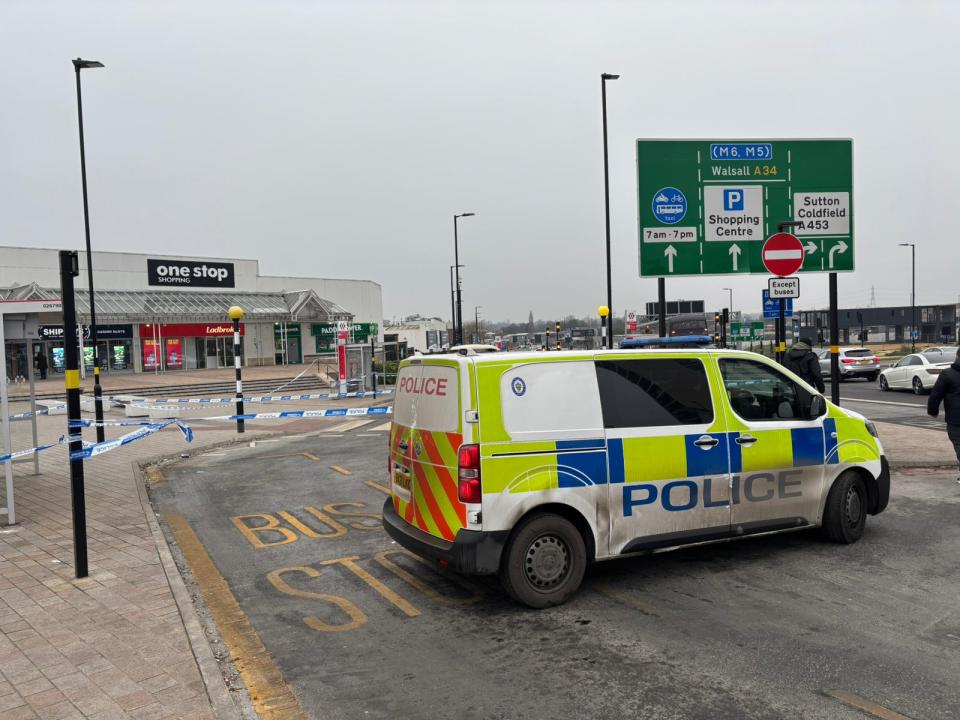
(854, 362)
(941, 353)
(917, 372)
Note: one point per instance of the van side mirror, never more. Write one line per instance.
(818, 406)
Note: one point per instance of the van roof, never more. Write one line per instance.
(527, 356)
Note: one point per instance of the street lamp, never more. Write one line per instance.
(236, 313)
(456, 267)
(453, 312)
(603, 311)
(913, 293)
(78, 65)
(606, 201)
(476, 320)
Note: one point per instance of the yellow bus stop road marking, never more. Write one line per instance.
(342, 471)
(377, 486)
(310, 456)
(867, 706)
(271, 697)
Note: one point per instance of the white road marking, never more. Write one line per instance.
(352, 425)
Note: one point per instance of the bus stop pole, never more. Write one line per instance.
(834, 342)
(69, 269)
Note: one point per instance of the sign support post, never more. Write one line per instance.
(662, 305)
(834, 342)
(69, 269)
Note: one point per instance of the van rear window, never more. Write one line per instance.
(427, 398)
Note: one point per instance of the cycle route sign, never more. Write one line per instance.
(707, 206)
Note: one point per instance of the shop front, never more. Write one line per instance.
(288, 348)
(187, 346)
(114, 346)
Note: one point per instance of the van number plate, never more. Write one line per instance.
(401, 480)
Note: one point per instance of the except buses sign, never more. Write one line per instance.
(707, 206)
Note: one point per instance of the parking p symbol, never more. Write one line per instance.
(732, 200)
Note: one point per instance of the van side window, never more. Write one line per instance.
(758, 391)
(652, 392)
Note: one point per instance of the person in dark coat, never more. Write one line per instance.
(802, 360)
(42, 364)
(947, 391)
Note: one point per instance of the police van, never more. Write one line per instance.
(532, 465)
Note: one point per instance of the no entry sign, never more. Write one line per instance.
(782, 254)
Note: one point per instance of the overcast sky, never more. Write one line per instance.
(337, 139)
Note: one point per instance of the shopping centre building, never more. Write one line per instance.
(164, 313)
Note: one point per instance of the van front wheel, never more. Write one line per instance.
(845, 514)
(544, 562)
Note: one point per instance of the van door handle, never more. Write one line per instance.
(706, 442)
(403, 445)
(746, 440)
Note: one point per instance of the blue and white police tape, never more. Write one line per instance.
(329, 412)
(95, 449)
(263, 398)
(24, 453)
(29, 414)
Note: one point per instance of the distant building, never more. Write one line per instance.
(413, 334)
(936, 324)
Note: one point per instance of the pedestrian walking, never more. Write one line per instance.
(802, 360)
(42, 364)
(947, 391)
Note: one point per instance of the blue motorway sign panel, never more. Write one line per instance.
(771, 306)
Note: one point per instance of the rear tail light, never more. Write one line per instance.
(934, 371)
(847, 361)
(469, 489)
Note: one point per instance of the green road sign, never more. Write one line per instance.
(746, 332)
(707, 206)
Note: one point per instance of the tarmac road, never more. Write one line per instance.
(762, 628)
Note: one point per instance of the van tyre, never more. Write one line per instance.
(845, 514)
(544, 562)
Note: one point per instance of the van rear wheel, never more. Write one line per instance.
(845, 514)
(544, 562)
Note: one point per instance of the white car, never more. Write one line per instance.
(917, 372)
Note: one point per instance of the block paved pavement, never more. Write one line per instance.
(112, 645)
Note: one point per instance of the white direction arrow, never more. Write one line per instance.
(810, 247)
(671, 253)
(735, 254)
(841, 247)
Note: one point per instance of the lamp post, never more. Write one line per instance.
(235, 313)
(456, 267)
(453, 313)
(913, 293)
(476, 321)
(78, 65)
(603, 311)
(606, 200)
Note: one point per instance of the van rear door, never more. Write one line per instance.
(428, 417)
